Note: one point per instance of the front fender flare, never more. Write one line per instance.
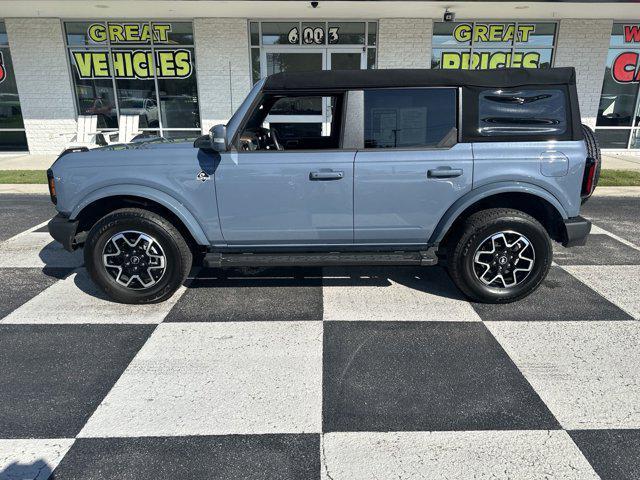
(141, 191)
(489, 190)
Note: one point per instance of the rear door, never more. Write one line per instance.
(410, 168)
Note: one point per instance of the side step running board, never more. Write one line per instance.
(319, 259)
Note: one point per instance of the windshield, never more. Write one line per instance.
(236, 118)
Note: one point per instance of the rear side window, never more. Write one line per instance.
(522, 112)
(410, 117)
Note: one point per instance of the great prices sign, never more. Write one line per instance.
(488, 35)
(140, 63)
(626, 66)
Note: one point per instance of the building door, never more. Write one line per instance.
(307, 116)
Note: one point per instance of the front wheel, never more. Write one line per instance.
(500, 256)
(136, 256)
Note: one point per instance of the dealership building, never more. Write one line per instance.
(183, 66)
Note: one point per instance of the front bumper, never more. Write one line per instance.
(63, 230)
(577, 229)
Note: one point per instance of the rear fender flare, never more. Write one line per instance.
(141, 191)
(486, 191)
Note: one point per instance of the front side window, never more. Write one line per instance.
(618, 121)
(485, 45)
(409, 117)
(272, 125)
(136, 68)
(12, 133)
(522, 112)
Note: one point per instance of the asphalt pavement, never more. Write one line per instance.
(312, 373)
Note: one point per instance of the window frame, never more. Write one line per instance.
(107, 46)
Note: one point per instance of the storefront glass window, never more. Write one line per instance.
(12, 134)
(483, 45)
(270, 40)
(135, 68)
(618, 121)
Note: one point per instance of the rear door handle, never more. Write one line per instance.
(326, 175)
(444, 172)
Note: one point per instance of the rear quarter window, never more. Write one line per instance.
(522, 113)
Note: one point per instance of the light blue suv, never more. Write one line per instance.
(478, 170)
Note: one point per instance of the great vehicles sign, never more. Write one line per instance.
(626, 65)
(142, 62)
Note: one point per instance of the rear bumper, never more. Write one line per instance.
(63, 230)
(577, 229)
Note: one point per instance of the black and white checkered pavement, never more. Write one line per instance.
(330, 373)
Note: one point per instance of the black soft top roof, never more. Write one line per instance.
(349, 79)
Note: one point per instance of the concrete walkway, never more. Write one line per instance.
(620, 161)
(26, 161)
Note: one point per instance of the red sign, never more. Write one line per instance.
(626, 66)
(631, 33)
(3, 72)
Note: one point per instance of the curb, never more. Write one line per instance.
(24, 188)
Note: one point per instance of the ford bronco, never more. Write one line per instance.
(476, 170)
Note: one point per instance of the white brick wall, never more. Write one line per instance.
(583, 44)
(219, 43)
(404, 42)
(44, 86)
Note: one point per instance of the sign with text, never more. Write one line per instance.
(140, 63)
(626, 65)
(497, 38)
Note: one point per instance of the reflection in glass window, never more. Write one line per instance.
(293, 62)
(613, 138)
(412, 117)
(522, 112)
(280, 33)
(151, 74)
(12, 134)
(483, 45)
(346, 33)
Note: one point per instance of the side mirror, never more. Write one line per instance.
(218, 136)
(216, 140)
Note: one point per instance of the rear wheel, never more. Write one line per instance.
(501, 255)
(136, 256)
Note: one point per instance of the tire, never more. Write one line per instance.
(480, 232)
(593, 151)
(154, 238)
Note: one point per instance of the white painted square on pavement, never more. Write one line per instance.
(77, 299)
(586, 372)
(37, 250)
(393, 294)
(620, 284)
(31, 459)
(444, 455)
(218, 378)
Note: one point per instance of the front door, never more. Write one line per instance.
(288, 184)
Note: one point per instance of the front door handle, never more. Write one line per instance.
(444, 172)
(326, 175)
